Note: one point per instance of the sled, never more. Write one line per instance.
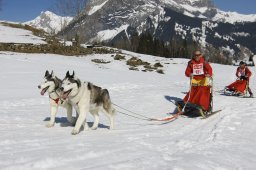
(198, 102)
(237, 88)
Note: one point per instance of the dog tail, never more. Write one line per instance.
(107, 104)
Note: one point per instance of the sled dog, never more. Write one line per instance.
(86, 97)
(52, 84)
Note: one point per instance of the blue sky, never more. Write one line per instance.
(25, 10)
(240, 6)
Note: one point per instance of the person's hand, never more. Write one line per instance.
(243, 78)
(191, 75)
(207, 75)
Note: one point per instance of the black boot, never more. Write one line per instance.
(250, 92)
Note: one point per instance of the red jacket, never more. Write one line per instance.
(243, 72)
(198, 68)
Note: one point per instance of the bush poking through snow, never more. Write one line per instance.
(134, 68)
(158, 65)
(149, 67)
(160, 71)
(134, 61)
(100, 61)
(119, 57)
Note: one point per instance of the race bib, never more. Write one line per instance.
(198, 69)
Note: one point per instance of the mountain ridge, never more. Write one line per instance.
(49, 22)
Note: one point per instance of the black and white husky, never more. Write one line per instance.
(52, 84)
(86, 97)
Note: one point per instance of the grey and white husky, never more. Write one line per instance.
(86, 97)
(52, 84)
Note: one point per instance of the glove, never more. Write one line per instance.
(243, 78)
(207, 75)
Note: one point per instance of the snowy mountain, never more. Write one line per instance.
(49, 22)
(233, 17)
(207, 10)
(225, 141)
(193, 20)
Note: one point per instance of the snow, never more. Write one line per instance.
(203, 37)
(17, 35)
(233, 17)
(96, 8)
(210, 25)
(181, 30)
(217, 35)
(188, 14)
(194, 9)
(109, 34)
(227, 48)
(225, 141)
(242, 34)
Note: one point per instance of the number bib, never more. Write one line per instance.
(198, 69)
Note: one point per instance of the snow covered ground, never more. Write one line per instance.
(16, 35)
(225, 141)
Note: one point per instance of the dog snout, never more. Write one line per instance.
(62, 88)
(39, 87)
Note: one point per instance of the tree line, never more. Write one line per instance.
(145, 43)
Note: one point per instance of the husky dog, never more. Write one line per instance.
(86, 97)
(52, 85)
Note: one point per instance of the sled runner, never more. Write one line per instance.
(199, 100)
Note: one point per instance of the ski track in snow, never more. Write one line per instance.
(222, 142)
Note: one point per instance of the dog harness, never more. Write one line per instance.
(55, 100)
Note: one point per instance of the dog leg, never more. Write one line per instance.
(85, 125)
(54, 110)
(96, 120)
(111, 119)
(81, 119)
(70, 119)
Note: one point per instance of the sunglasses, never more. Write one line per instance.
(197, 54)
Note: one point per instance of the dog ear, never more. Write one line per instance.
(67, 74)
(52, 74)
(46, 73)
(73, 74)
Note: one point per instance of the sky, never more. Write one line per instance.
(25, 10)
(240, 6)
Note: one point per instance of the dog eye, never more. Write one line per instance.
(69, 83)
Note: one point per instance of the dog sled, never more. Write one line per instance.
(199, 100)
(237, 88)
(197, 103)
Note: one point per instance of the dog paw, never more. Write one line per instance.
(49, 125)
(74, 132)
